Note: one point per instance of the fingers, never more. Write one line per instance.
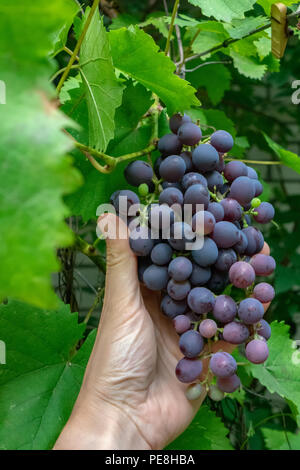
(265, 249)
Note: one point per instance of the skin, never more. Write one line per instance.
(130, 397)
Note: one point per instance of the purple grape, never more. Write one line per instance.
(258, 188)
(218, 281)
(188, 370)
(171, 308)
(178, 290)
(196, 194)
(203, 223)
(235, 169)
(228, 384)
(243, 190)
(161, 217)
(257, 351)
(191, 344)
(189, 134)
(193, 178)
(264, 330)
(178, 120)
(255, 240)
(235, 333)
(157, 165)
(263, 265)
(171, 196)
(214, 180)
(251, 173)
(226, 259)
(232, 209)
(161, 254)
(221, 164)
(264, 292)
(222, 364)
(265, 213)
(181, 234)
(241, 274)
(187, 157)
(226, 234)
(217, 210)
(181, 323)
(156, 277)
(194, 392)
(207, 255)
(138, 172)
(140, 241)
(250, 311)
(241, 246)
(180, 268)
(166, 185)
(124, 200)
(205, 158)
(208, 328)
(169, 144)
(222, 141)
(225, 309)
(201, 300)
(172, 168)
(143, 263)
(199, 276)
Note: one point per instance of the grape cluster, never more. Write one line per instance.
(202, 287)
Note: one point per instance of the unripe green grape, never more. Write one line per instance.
(143, 189)
(194, 392)
(215, 394)
(255, 202)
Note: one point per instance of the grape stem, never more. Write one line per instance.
(90, 251)
(174, 13)
(255, 162)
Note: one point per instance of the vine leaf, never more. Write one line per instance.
(103, 90)
(290, 159)
(266, 4)
(279, 440)
(135, 53)
(35, 173)
(224, 10)
(42, 376)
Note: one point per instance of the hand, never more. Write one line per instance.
(130, 397)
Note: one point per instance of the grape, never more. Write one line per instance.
(196, 194)
(215, 394)
(258, 188)
(187, 157)
(180, 268)
(171, 196)
(138, 172)
(191, 344)
(188, 370)
(250, 311)
(243, 190)
(255, 240)
(140, 241)
(113, 197)
(265, 213)
(241, 274)
(224, 189)
(228, 384)
(216, 209)
(208, 328)
(143, 189)
(172, 168)
(172, 308)
(264, 292)
(201, 300)
(222, 364)
(235, 333)
(189, 134)
(181, 323)
(207, 255)
(251, 173)
(123, 200)
(161, 254)
(177, 120)
(143, 263)
(226, 234)
(255, 202)
(169, 144)
(156, 277)
(263, 265)
(232, 209)
(166, 185)
(181, 233)
(160, 217)
(194, 392)
(199, 276)
(257, 351)
(221, 165)
(205, 158)
(218, 281)
(157, 165)
(242, 245)
(226, 259)
(235, 169)
(222, 141)
(264, 329)
(193, 178)
(203, 223)
(178, 290)
(225, 309)
(214, 180)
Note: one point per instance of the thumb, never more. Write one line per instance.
(121, 286)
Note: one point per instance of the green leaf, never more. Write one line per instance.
(212, 34)
(224, 10)
(263, 46)
(281, 372)
(219, 120)
(248, 66)
(290, 159)
(281, 440)
(206, 432)
(123, 20)
(35, 173)
(103, 91)
(215, 79)
(239, 28)
(62, 35)
(42, 375)
(266, 4)
(136, 54)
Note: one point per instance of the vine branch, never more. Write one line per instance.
(90, 251)
(174, 13)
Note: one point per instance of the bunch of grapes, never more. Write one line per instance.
(196, 282)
